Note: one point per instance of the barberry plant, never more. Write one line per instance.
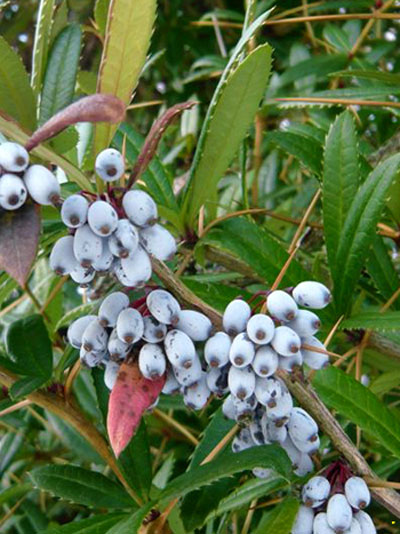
(199, 287)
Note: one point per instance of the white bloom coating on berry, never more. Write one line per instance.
(365, 522)
(42, 185)
(111, 307)
(265, 362)
(273, 432)
(104, 263)
(171, 385)
(158, 242)
(62, 259)
(110, 374)
(304, 466)
(242, 351)
(306, 323)
(130, 325)
(140, 208)
(91, 358)
(163, 306)
(307, 447)
(77, 328)
(357, 493)
(316, 491)
(195, 324)
(321, 525)
(285, 341)
(282, 408)
(281, 306)
(95, 337)
(13, 157)
(243, 441)
(268, 390)
(197, 395)
(87, 246)
(339, 513)
(117, 349)
(110, 165)
(136, 268)
(256, 431)
(302, 426)
(228, 408)
(244, 407)
(125, 240)
(312, 295)
(216, 350)
(154, 331)
(355, 527)
(288, 363)
(235, 318)
(292, 451)
(13, 192)
(74, 211)
(180, 349)
(315, 360)
(188, 376)
(304, 521)
(152, 362)
(102, 218)
(217, 380)
(260, 329)
(242, 382)
(82, 275)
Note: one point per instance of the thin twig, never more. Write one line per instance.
(15, 407)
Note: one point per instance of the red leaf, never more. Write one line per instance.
(130, 397)
(19, 237)
(93, 108)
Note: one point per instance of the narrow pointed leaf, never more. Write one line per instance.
(373, 320)
(280, 520)
(131, 395)
(41, 43)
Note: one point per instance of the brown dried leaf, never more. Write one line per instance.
(19, 237)
(94, 108)
(131, 395)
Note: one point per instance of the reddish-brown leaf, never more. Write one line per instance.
(19, 237)
(94, 108)
(130, 397)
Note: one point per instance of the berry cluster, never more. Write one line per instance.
(111, 233)
(333, 503)
(244, 359)
(18, 179)
(156, 331)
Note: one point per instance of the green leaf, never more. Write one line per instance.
(385, 382)
(29, 345)
(257, 247)
(361, 93)
(382, 271)
(16, 95)
(267, 456)
(62, 67)
(41, 43)
(79, 311)
(359, 229)
(135, 461)
(26, 385)
(373, 320)
(218, 295)
(226, 127)
(127, 40)
(306, 150)
(377, 75)
(15, 492)
(281, 519)
(100, 14)
(340, 181)
(132, 524)
(99, 524)
(319, 66)
(358, 404)
(156, 177)
(81, 486)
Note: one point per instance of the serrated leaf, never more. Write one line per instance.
(281, 519)
(373, 320)
(257, 247)
(341, 179)
(99, 524)
(319, 66)
(361, 93)
(29, 345)
(306, 150)
(267, 456)
(226, 127)
(81, 486)
(60, 77)
(123, 55)
(131, 524)
(358, 404)
(377, 75)
(130, 397)
(359, 229)
(19, 238)
(382, 271)
(79, 311)
(41, 43)
(16, 95)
